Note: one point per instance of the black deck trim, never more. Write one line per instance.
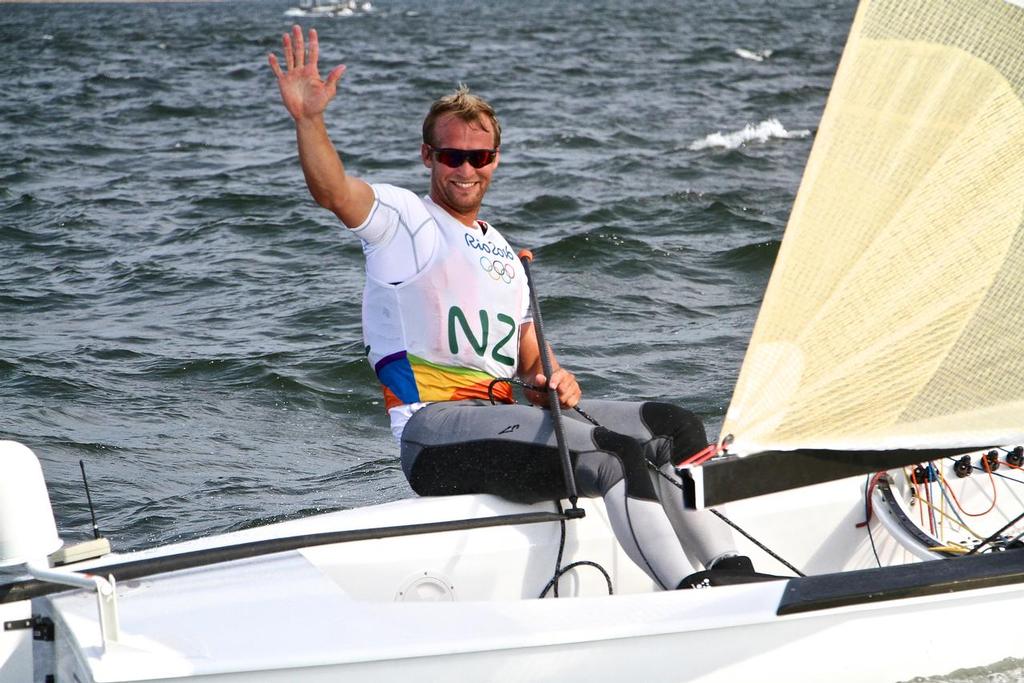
(734, 478)
(919, 579)
(134, 569)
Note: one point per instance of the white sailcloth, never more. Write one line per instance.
(894, 317)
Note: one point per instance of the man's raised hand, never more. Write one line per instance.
(303, 92)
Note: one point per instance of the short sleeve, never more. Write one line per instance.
(399, 236)
(382, 222)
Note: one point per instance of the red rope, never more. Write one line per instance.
(870, 502)
(701, 456)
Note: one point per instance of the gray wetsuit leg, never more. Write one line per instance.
(510, 450)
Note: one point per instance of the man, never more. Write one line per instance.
(446, 312)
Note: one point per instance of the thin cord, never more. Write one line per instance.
(869, 485)
(996, 534)
(560, 571)
(735, 526)
(716, 512)
(589, 418)
(636, 542)
(994, 494)
(532, 387)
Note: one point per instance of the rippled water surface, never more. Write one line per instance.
(178, 314)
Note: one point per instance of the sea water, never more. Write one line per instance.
(178, 314)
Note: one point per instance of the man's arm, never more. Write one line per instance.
(531, 370)
(306, 96)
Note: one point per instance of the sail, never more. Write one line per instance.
(894, 318)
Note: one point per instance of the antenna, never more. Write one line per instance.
(88, 497)
(86, 550)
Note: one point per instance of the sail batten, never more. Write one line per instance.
(894, 315)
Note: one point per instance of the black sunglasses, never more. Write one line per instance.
(477, 158)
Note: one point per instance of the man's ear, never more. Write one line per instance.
(428, 160)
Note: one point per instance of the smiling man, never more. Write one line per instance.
(446, 313)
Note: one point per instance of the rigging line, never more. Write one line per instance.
(1015, 538)
(942, 502)
(703, 455)
(869, 485)
(996, 534)
(947, 493)
(560, 571)
(1012, 467)
(1003, 476)
(960, 521)
(636, 541)
(558, 559)
(629, 522)
(917, 495)
(716, 512)
(872, 483)
(931, 508)
(945, 497)
(731, 523)
(533, 387)
(994, 495)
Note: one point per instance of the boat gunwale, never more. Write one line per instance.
(25, 589)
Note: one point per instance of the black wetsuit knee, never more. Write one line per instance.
(684, 430)
(618, 457)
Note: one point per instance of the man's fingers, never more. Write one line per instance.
(299, 50)
(333, 78)
(274, 65)
(564, 383)
(289, 60)
(314, 48)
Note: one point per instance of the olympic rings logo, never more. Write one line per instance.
(498, 270)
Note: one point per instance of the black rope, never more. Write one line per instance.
(580, 563)
(509, 380)
(531, 387)
(560, 571)
(589, 418)
(995, 536)
(867, 519)
(731, 523)
(584, 414)
(718, 514)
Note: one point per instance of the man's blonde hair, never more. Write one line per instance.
(466, 106)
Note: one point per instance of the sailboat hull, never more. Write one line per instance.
(463, 604)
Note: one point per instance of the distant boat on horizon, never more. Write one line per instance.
(319, 8)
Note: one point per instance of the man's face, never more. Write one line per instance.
(460, 190)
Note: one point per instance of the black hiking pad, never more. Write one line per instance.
(934, 577)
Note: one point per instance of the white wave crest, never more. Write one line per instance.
(762, 132)
(758, 56)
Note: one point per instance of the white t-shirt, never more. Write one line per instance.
(443, 304)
